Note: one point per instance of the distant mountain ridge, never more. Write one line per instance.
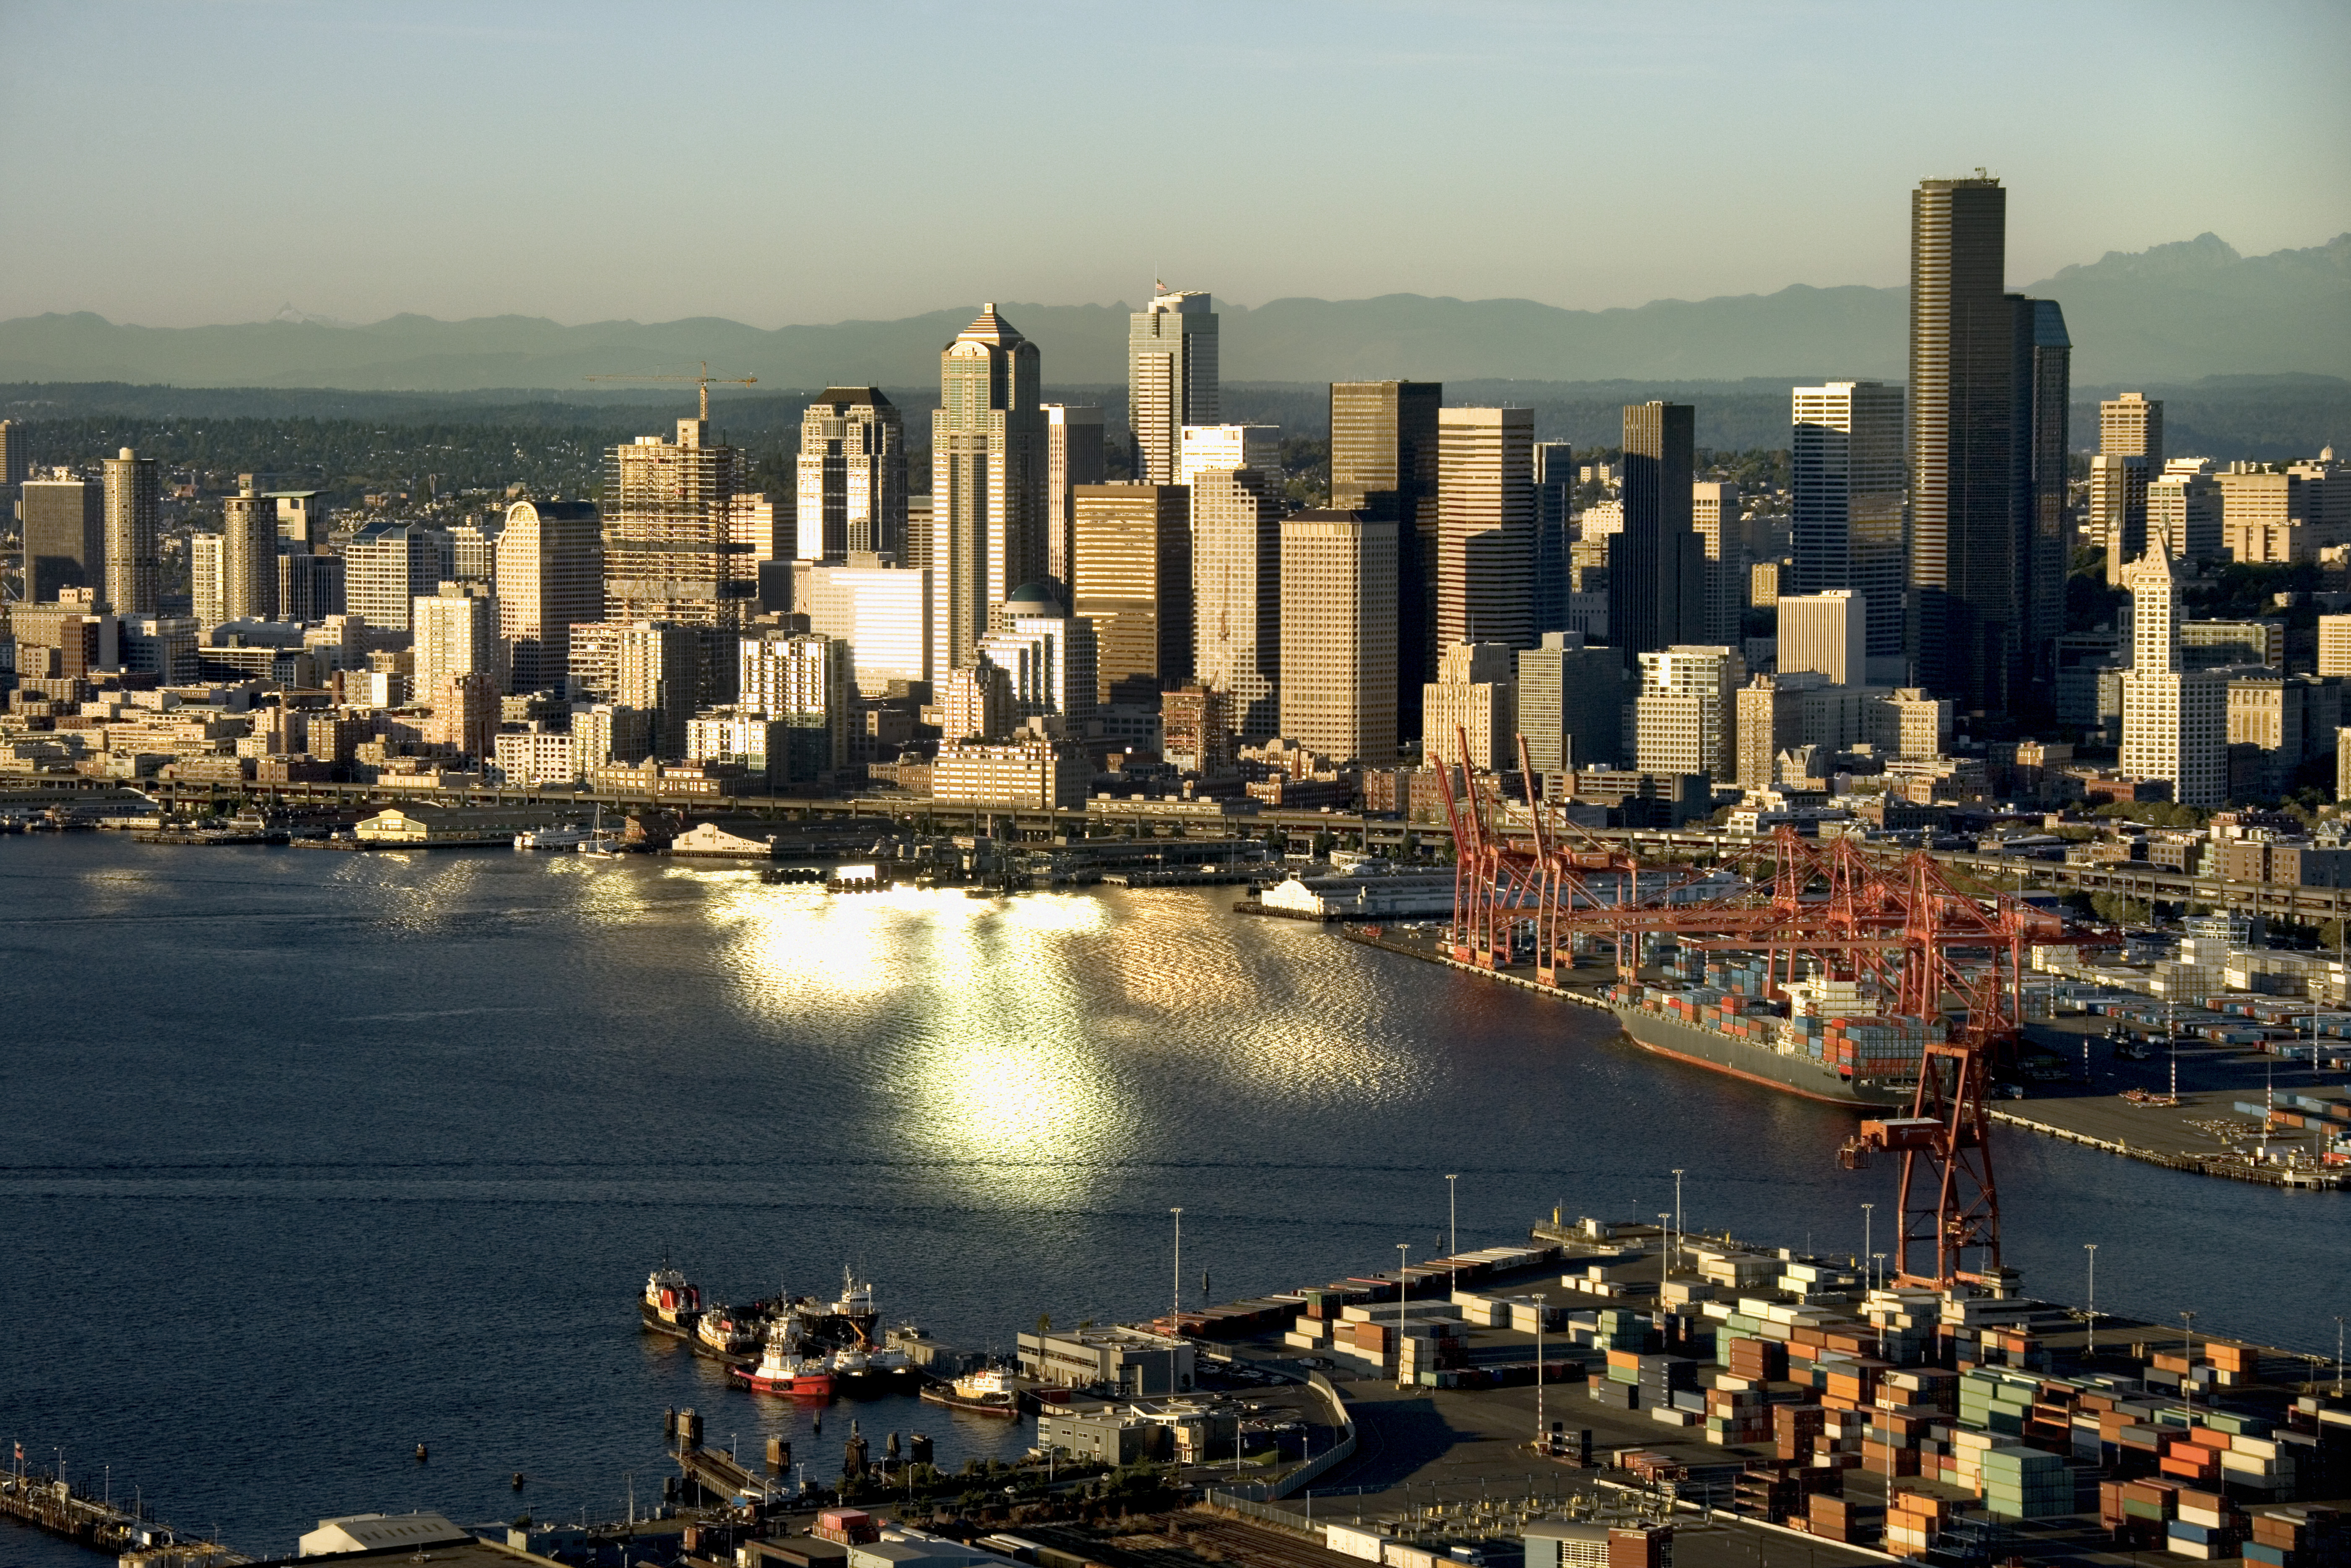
(2173, 312)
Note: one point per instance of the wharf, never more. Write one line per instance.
(38, 1498)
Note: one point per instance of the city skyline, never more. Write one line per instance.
(463, 85)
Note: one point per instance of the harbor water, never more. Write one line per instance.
(308, 1158)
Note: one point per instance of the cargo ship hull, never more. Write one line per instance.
(1721, 1053)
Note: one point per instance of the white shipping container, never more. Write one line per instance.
(1354, 1540)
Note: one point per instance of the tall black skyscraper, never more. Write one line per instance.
(2045, 378)
(1384, 463)
(1656, 567)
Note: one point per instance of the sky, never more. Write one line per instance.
(212, 160)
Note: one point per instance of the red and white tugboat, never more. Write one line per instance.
(670, 1305)
(783, 1369)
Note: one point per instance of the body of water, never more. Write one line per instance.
(306, 1157)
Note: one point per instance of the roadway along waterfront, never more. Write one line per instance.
(311, 1158)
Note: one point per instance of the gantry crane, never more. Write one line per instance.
(701, 381)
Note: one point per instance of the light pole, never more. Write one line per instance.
(1868, 1215)
(2187, 1376)
(1452, 1214)
(1403, 1286)
(1175, 1323)
(2091, 1249)
(2338, 1358)
(1678, 1231)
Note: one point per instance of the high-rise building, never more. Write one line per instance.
(1847, 516)
(655, 669)
(882, 613)
(248, 563)
(1196, 729)
(2175, 720)
(1571, 704)
(386, 566)
(134, 515)
(310, 587)
(14, 465)
(1554, 515)
(1725, 539)
(1476, 694)
(208, 579)
(1826, 632)
(474, 550)
(455, 632)
(2183, 509)
(2335, 645)
(684, 539)
(1171, 378)
(1201, 447)
(2131, 426)
(301, 519)
(2118, 510)
(1338, 635)
(2045, 421)
(65, 535)
(551, 578)
(1657, 566)
(1073, 456)
(1383, 462)
(853, 478)
(1771, 721)
(610, 732)
(977, 704)
(987, 481)
(806, 681)
(1132, 571)
(1485, 530)
(1236, 581)
(1686, 716)
(1051, 658)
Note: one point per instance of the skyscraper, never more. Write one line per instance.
(134, 506)
(385, 566)
(248, 565)
(1383, 462)
(1338, 635)
(65, 535)
(2131, 426)
(551, 578)
(1571, 703)
(456, 631)
(1555, 507)
(1476, 694)
(2044, 415)
(1073, 456)
(1485, 530)
(1134, 571)
(1200, 448)
(1656, 565)
(1686, 716)
(2130, 459)
(14, 465)
(683, 537)
(852, 478)
(1171, 377)
(1966, 554)
(1237, 594)
(1050, 657)
(2175, 721)
(987, 480)
(1827, 632)
(1723, 539)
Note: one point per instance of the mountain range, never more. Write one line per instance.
(2174, 312)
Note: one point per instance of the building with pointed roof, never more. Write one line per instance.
(987, 480)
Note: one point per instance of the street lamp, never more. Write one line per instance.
(2188, 1355)
(1868, 1215)
(2338, 1358)
(1678, 1231)
(1452, 1214)
(2091, 1249)
(1403, 1286)
(1175, 1323)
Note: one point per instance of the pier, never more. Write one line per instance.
(38, 1498)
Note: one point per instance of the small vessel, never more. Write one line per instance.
(782, 1370)
(987, 1393)
(889, 1365)
(727, 1334)
(565, 838)
(669, 1303)
(599, 842)
(851, 1364)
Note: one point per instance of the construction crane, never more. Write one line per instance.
(701, 381)
(1901, 921)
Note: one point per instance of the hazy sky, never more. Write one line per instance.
(174, 164)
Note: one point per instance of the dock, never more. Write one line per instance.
(38, 1498)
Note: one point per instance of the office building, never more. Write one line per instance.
(16, 464)
(1725, 539)
(249, 559)
(302, 519)
(1656, 565)
(473, 549)
(1205, 446)
(2175, 720)
(1073, 456)
(2131, 426)
(1171, 378)
(551, 578)
(605, 732)
(1237, 585)
(1847, 518)
(987, 481)
(1485, 530)
(1686, 714)
(1571, 702)
(684, 536)
(2335, 645)
(2183, 508)
(852, 478)
(657, 670)
(163, 646)
(2043, 418)
(1554, 539)
(1338, 635)
(310, 587)
(64, 525)
(1769, 720)
(1132, 578)
(386, 567)
(977, 704)
(806, 682)
(1196, 725)
(207, 578)
(882, 613)
(1032, 773)
(2266, 517)
(134, 511)
(1051, 657)
(2117, 518)
(1826, 631)
(1475, 695)
(455, 633)
(1383, 462)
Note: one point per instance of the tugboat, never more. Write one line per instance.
(728, 1334)
(987, 1393)
(670, 1305)
(782, 1370)
(852, 1370)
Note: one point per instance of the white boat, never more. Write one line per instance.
(597, 842)
(552, 838)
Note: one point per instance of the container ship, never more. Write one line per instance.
(1827, 1041)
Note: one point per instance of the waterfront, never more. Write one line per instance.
(311, 1157)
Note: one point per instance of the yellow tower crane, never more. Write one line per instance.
(701, 381)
